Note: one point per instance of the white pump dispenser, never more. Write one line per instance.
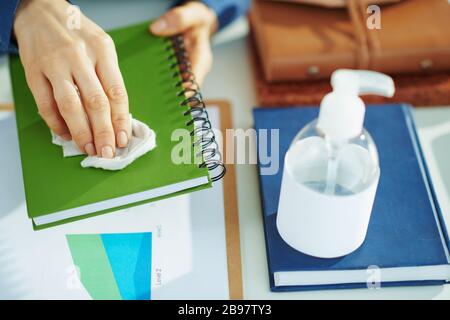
(331, 171)
(342, 110)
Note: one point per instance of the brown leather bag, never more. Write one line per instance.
(334, 3)
(296, 41)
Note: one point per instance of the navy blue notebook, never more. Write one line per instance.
(406, 242)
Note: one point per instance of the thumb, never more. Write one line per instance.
(179, 19)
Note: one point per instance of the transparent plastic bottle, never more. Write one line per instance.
(330, 167)
(332, 171)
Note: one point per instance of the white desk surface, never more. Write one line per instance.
(231, 78)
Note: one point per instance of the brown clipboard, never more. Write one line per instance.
(6, 107)
(235, 286)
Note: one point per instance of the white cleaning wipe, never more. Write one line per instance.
(143, 139)
(70, 149)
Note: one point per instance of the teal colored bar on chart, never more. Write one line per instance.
(129, 255)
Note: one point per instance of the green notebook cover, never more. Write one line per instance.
(53, 183)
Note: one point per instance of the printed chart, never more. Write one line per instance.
(113, 266)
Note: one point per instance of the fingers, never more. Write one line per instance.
(47, 107)
(111, 79)
(72, 111)
(197, 22)
(97, 107)
(97, 115)
(179, 19)
(200, 55)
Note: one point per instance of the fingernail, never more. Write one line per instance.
(159, 25)
(66, 136)
(90, 149)
(122, 139)
(107, 152)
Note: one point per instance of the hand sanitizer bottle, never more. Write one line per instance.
(331, 171)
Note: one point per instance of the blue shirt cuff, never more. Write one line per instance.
(7, 13)
(228, 10)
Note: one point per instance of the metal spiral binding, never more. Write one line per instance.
(212, 159)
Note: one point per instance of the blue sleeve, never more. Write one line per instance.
(7, 12)
(228, 10)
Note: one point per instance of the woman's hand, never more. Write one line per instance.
(197, 23)
(74, 76)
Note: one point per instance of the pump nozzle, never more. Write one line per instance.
(362, 82)
(342, 111)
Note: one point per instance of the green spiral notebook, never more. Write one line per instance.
(59, 190)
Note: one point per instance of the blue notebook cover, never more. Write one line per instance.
(403, 229)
